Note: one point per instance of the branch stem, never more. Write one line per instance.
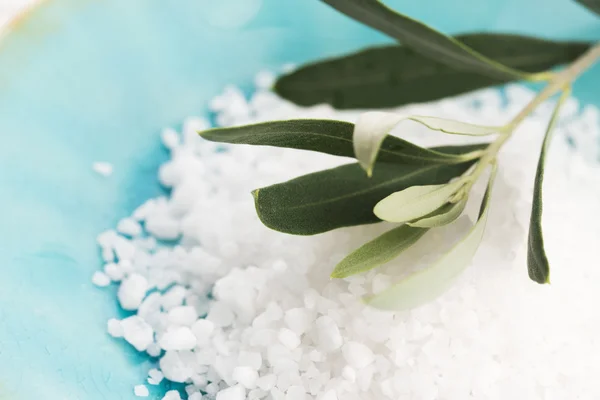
(561, 81)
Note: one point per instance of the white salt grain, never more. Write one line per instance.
(203, 330)
(100, 279)
(250, 359)
(233, 393)
(298, 320)
(173, 297)
(113, 271)
(155, 376)
(245, 376)
(177, 338)
(267, 382)
(132, 291)
(175, 367)
(357, 355)
(172, 395)
(328, 395)
(137, 332)
(103, 168)
(141, 391)
(221, 314)
(115, 329)
(129, 227)
(288, 338)
(182, 315)
(170, 138)
(328, 333)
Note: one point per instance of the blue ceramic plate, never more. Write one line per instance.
(89, 80)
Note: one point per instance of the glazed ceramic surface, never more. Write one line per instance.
(91, 80)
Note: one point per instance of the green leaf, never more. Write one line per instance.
(345, 196)
(423, 39)
(592, 5)
(442, 216)
(326, 136)
(378, 251)
(415, 202)
(374, 126)
(427, 284)
(389, 76)
(537, 261)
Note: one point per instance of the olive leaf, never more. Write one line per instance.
(326, 136)
(378, 251)
(425, 285)
(389, 76)
(374, 126)
(345, 196)
(423, 39)
(415, 202)
(442, 216)
(593, 5)
(537, 261)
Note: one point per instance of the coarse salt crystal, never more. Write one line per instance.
(182, 315)
(172, 395)
(357, 354)
(100, 279)
(129, 227)
(115, 329)
(132, 291)
(245, 376)
(178, 338)
(155, 376)
(103, 168)
(288, 338)
(141, 391)
(236, 392)
(137, 332)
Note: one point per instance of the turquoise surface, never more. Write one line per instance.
(89, 80)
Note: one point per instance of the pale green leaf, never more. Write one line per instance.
(378, 251)
(373, 127)
(415, 202)
(538, 266)
(427, 284)
(443, 216)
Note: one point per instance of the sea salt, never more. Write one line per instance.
(132, 291)
(137, 332)
(115, 329)
(103, 168)
(242, 311)
(141, 391)
(100, 279)
(155, 376)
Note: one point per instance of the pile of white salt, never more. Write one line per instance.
(237, 311)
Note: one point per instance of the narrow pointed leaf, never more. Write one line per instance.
(326, 136)
(388, 76)
(592, 5)
(538, 266)
(345, 196)
(415, 202)
(378, 251)
(373, 127)
(427, 284)
(442, 216)
(422, 38)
